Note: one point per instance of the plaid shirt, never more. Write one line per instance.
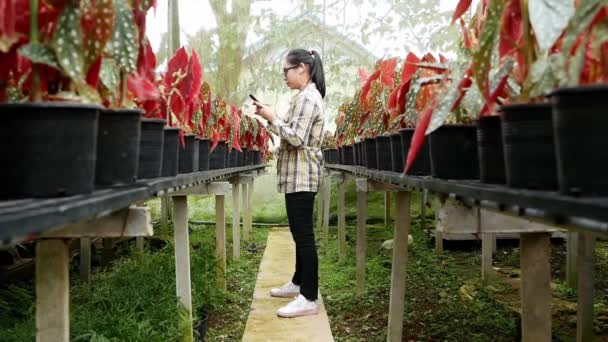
(299, 160)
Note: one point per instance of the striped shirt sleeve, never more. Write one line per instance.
(297, 133)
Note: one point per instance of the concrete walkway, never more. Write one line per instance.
(276, 268)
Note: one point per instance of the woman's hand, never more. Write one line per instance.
(265, 111)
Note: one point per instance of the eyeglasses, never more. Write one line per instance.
(285, 70)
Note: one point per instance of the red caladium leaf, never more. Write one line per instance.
(409, 67)
(363, 76)
(176, 69)
(8, 25)
(177, 105)
(93, 73)
(368, 85)
(465, 83)
(215, 139)
(499, 89)
(429, 58)
(461, 8)
(465, 33)
(146, 61)
(442, 59)
(191, 84)
(419, 134)
(97, 24)
(439, 68)
(512, 30)
(388, 72)
(142, 88)
(182, 139)
(402, 96)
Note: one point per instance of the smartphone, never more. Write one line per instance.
(253, 98)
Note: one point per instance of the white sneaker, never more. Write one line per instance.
(299, 307)
(288, 290)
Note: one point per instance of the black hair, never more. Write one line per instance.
(313, 60)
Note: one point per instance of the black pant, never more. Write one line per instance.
(299, 213)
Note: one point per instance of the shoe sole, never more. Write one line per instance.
(285, 295)
(299, 314)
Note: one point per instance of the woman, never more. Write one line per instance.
(299, 166)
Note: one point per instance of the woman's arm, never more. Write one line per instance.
(297, 133)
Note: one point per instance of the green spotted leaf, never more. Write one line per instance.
(123, 46)
(549, 18)
(97, 24)
(411, 114)
(110, 74)
(447, 99)
(580, 21)
(67, 43)
(482, 57)
(39, 54)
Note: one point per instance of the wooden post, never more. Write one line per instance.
(164, 212)
(399, 267)
(182, 253)
(250, 209)
(486, 254)
(320, 199)
(139, 243)
(586, 282)
(438, 242)
(326, 206)
(361, 240)
(220, 241)
(52, 291)
(423, 200)
(236, 221)
(571, 259)
(387, 209)
(85, 260)
(536, 287)
(246, 211)
(341, 223)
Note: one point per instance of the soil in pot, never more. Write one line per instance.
(171, 152)
(490, 150)
(454, 152)
(580, 122)
(117, 147)
(151, 148)
(529, 146)
(422, 163)
(50, 149)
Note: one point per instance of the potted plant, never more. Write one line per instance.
(330, 152)
(50, 103)
(204, 135)
(180, 91)
(217, 123)
(126, 76)
(577, 115)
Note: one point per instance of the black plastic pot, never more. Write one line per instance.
(241, 158)
(257, 157)
(422, 163)
(217, 158)
(332, 155)
(454, 152)
(245, 157)
(529, 146)
(151, 148)
(48, 149)
(188, 155)
(370, 153)
(396, 153)
(356, 154)
(118, 138)
(203, 154)
(383, 153)
(234, 158)
(171, 147)
(580, 121)
(363, 153)
(490, 150)
(349, 155)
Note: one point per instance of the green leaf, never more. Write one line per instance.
(580, 21)
(411, 115)
(123, 46)
(549, 18)
(39, 54)
(67, 43)
(110, 74)
(545, 75)
(482, 57)
(447, 99)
